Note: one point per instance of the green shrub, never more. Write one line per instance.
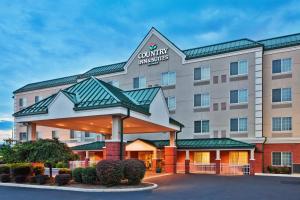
(61, 165)
(21, 169)
(62, 179)
(109, 172)
(38, 170)
(76, 174)
(4, 178)
(32, 179)
(4, 169)
(21, 179)
(279, 170)
(89, 175)
(134, 171)
(64, 171)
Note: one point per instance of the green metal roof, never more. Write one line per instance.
(90, 146)
(105, 69)
(280, 42)
(93, 93)
(220, 48)
(47, 84)
(209, 143)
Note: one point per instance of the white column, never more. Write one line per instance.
(87, 155)
(172, 139)
(258, 94)
(187, 155)
(218, 155)
(116, 128)
(252, 154)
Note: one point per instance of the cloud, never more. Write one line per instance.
(5, 134)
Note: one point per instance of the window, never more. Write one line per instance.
(282, 158)
(238, 158)
(54, 134)
(168, 78)
(22, 102)
(282, 65)
(139, 82)
(201, 126)
(239, 68)
(114, 83)
(202, 73)
(72, 134)
(87, 134)
(37, 99)
(171, 102)
(202, 100)
(239, 124)
(239, 96)
(281, 95)
(281, 124)
(23, 136)
(202, 157)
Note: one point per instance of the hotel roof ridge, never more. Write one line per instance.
(191, 53)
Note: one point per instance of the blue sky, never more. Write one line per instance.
(42, 40)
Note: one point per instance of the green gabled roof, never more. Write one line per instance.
(40, 107)
(90, 146)
(220, 48)
(280, 42)
(105, 69)
(46, 84)
(209, 143)
(93, 93)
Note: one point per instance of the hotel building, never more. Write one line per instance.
(229, 104)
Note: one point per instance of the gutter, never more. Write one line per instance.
(122, 134)
(263, 154)
(176, 135)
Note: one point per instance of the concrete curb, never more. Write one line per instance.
(279, 175)
(63, 188)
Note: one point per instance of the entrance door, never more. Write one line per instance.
(147, 158)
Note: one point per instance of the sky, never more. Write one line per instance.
(42, 40)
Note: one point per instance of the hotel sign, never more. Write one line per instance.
(154, 55)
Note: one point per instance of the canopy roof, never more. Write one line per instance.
(210, 143)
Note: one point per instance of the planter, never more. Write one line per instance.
(41, 179)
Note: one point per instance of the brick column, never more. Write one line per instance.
(154, 164)
(170, 159)
(187, 162)
(252, 162)
(218, 162)
(112, 150)
(86, 162)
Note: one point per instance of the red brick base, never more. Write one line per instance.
(218, 166)
(112, 151)
(187, 166)
(170, 159)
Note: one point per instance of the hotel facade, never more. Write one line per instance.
(213, 109)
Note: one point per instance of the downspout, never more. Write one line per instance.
(122, 138)
(176, 135)
(263, 154)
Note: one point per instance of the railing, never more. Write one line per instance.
(203, 168)
(180, 167)
(82, 163)
(229, 169)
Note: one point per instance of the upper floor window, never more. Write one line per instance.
(282, 95)
(202, 100)
(87, 134)
(171, 102)
(22, 102)
(201, 126)
(72, 134)
(239, 124)
(54, 134)
(37, 98)
(168, 78)
(281, 124)
(282, 65)
(239, 96)
(202, 73)
(139, 82)
(114, 83)
(281, 158)
(239, 68)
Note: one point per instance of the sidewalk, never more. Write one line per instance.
(279, 175)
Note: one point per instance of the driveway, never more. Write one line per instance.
(181, 187)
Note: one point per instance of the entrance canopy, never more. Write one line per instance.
(91, 105)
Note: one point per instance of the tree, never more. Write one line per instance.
(46, 151)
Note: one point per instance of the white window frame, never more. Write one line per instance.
(282, 131)
(201, 68)
(169, 73)
(281, 158)
(140, 82)
(24, 102)
(201, 106)
(281, 64)
(201, 120)
(168, 100)
(238, 131)
(239, 74)
(281, 101)
(239, 103)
